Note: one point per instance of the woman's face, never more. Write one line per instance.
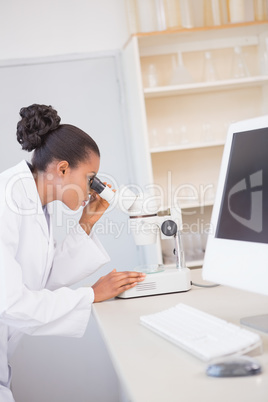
(74, 191)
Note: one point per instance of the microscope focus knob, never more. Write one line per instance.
(169, 228)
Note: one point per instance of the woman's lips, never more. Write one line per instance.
(85, 202)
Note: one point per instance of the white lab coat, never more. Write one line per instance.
(34, 275)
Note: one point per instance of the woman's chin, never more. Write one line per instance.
(72, 207)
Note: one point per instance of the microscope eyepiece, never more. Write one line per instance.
(96, 184)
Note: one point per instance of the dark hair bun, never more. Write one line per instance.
(36, 122)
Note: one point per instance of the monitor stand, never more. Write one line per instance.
(259, 322)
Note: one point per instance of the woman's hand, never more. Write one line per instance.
(114, 283)
(93, 211)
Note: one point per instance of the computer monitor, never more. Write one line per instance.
(237, 248)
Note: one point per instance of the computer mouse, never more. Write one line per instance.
(237, 366)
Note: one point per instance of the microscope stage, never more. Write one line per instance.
(170, 280)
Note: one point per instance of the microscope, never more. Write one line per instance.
(148, 225)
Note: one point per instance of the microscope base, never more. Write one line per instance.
(171, 280)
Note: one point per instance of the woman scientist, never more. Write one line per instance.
(34, 277)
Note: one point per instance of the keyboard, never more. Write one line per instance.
(204, 335)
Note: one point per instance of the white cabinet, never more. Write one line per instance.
(178, 130)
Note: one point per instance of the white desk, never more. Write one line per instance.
(152, 369)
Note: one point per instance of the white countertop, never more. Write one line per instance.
(153, 369)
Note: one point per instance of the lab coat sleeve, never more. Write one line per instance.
(76, 258)
(36, 312)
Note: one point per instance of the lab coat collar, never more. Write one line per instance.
(29, 185)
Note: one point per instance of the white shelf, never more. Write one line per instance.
(195, 145)
(199, 87)
(189, 205)
(189, 264)
(196, 263)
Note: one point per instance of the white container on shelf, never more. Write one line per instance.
(180, 74)
(152, 76)
(186, 11)
(183, 135)
(249, 10)
(240, 69)
(154, 140)
(206, 132)
(216, 12)
(161, 24)
(237, 10)
(260, 7)
(208, 12)
(170, 135)
(172, 10)
(224, 12)
(146, 15)
(198, 13)
(210, 73)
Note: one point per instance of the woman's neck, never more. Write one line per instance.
(45, 186)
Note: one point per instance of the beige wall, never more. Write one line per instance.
(34, 28)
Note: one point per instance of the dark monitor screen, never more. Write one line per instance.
(243, 212)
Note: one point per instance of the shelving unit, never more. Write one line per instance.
(202, 87)
(198, 29)
(184, 172)
(171, 148)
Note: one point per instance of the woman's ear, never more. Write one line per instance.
(62, 168)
